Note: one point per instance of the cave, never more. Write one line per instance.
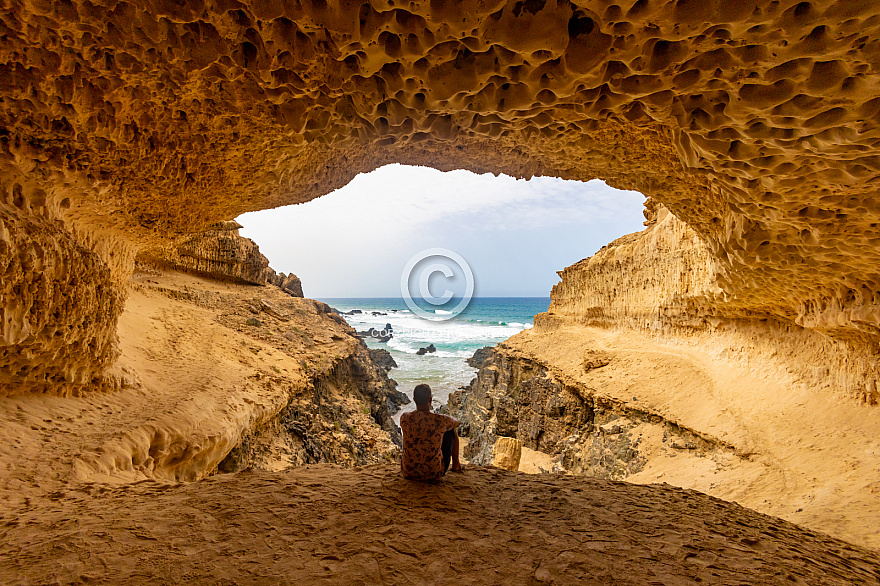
(126, 129)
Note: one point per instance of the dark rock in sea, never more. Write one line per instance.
(252, 321)
(383, 358)
(388, 327)
(352, 312)
(480, 356)
(429, 350)
(376, 335)
(379, 313)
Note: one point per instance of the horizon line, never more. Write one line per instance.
(474, 297)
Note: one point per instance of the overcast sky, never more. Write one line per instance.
(514, 234)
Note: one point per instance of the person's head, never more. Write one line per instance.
(422, 395)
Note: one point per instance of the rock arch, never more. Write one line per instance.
(122, 126)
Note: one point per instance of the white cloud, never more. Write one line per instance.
(354, 241)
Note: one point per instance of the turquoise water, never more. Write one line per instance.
(485, 322)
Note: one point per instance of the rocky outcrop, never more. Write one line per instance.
(479, 357)
(221, 253)
(208, 386)
(665, 280)
(313, 427)
(291, 284)
(515, 396)
(382, 358)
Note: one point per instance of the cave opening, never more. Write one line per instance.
(504, 237)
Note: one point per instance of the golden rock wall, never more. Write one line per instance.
(663, 280)
(752, 122)
(220, 253)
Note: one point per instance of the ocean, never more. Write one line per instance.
(485, 322)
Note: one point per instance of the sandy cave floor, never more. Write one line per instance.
(324, 524)
(74, 508)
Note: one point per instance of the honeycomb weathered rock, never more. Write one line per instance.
(123, 124)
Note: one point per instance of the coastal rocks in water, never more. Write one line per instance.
(507, 453)
(429, 350)
(383, 358)
(376, 335)
(480, 357)
(352, 312)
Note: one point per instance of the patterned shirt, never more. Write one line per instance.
(422, 438)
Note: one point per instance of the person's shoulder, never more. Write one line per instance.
(442, 417)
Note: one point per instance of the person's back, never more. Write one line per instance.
(429, 440)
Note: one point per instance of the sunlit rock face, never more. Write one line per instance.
(219, 253)
(124, 124)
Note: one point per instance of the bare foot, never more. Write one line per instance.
(457, 467)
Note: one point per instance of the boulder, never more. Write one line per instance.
(273, 310)
(609, 428)
(508, 451)
(382, 358)
(594, 359)
(429, 350)
(480, 356)
(292, 285)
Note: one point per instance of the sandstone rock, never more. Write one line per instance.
(219, 253)
(508, 452)
(594, 359)
(609, 428)
(273, 310)
(252, 321)
(755, 127)
(291, 284)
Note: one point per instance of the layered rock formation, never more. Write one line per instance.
(208, 386)
(124, 125)
(644, 370)
(221, 253)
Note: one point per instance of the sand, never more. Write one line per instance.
(76, 506)
(796, 452)
(323, 524)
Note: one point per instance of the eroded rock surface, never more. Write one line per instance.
(590, 434)
(125, 124)
(221, 253)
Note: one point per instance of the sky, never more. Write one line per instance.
(514, 234)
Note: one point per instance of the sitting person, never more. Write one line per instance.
(429, 440)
